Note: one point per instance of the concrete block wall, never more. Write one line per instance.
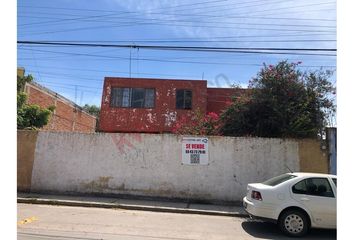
(151, 164)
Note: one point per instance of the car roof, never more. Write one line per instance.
(309, 174)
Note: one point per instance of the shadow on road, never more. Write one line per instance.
(267, 230)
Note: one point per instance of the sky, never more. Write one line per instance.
(78, 72)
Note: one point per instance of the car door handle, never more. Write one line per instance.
(304, 199)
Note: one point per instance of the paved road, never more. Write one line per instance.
(44, 222)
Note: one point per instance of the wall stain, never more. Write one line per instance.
(101, 185)
(235, 179)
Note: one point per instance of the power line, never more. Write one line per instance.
(125, 24)
(120, 12)
(215, 38)
(96, 10)
(169, 14)
(60, 20)
(125, 72)
(209, 41)
(182, 48)
(285, 8)
(145, 19)
(150, 59)
(161, 47)
(163, 20)
(178, 25)
(69, 84)
(114, 58)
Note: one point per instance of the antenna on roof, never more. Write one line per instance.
(203, 76)
(75, 94)
(288, 168)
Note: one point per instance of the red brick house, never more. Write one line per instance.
(67, 116)
(153, 105)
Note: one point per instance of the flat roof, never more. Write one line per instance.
(156, 79)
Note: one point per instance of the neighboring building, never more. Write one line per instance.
(153, 105)
(67, 116)
(20, 71)
(219, 98)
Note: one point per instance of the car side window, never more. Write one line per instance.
(300, 187)
(313, 186)
(335, 181)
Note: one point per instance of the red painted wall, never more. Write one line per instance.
(162, 117)
(220, 98)
(157, 119)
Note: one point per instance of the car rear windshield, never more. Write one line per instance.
(279, 179)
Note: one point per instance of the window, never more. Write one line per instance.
(133, 97)
(314, 186)
(184, 99)
(278, 180)
(138, 98)
(335, 181)
(300, 188)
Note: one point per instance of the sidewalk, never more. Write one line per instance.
(132, 204)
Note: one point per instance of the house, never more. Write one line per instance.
(153, 105)
(67, 116)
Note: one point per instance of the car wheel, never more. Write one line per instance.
(293, 223)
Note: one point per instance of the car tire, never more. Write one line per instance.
(293, 223)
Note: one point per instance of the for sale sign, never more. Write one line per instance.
(195, 151)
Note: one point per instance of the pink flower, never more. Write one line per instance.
(213, 116)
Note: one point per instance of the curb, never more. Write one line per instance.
(128, 207)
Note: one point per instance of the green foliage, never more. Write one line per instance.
(92, 109)
(283, 102)
(21, 99)
(21, 82)
(30, 116)
(95, 111)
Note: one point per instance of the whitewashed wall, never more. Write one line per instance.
(151, 165)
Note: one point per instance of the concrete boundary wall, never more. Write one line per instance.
(151, 164)
(25, 157)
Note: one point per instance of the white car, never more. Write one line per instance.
(295, 201)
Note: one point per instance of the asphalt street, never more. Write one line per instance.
(45, 222)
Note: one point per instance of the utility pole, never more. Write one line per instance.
(130, 63)
(76, 94)
(137, 63)
(82, 95)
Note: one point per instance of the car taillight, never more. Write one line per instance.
(256, 195)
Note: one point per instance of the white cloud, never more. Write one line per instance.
(228, 17)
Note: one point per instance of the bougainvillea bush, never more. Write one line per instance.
(283, 102)
(198, 123)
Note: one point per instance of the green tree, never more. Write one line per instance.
(30, 116)
(283, 102)
(92, 109)
(95, 111)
